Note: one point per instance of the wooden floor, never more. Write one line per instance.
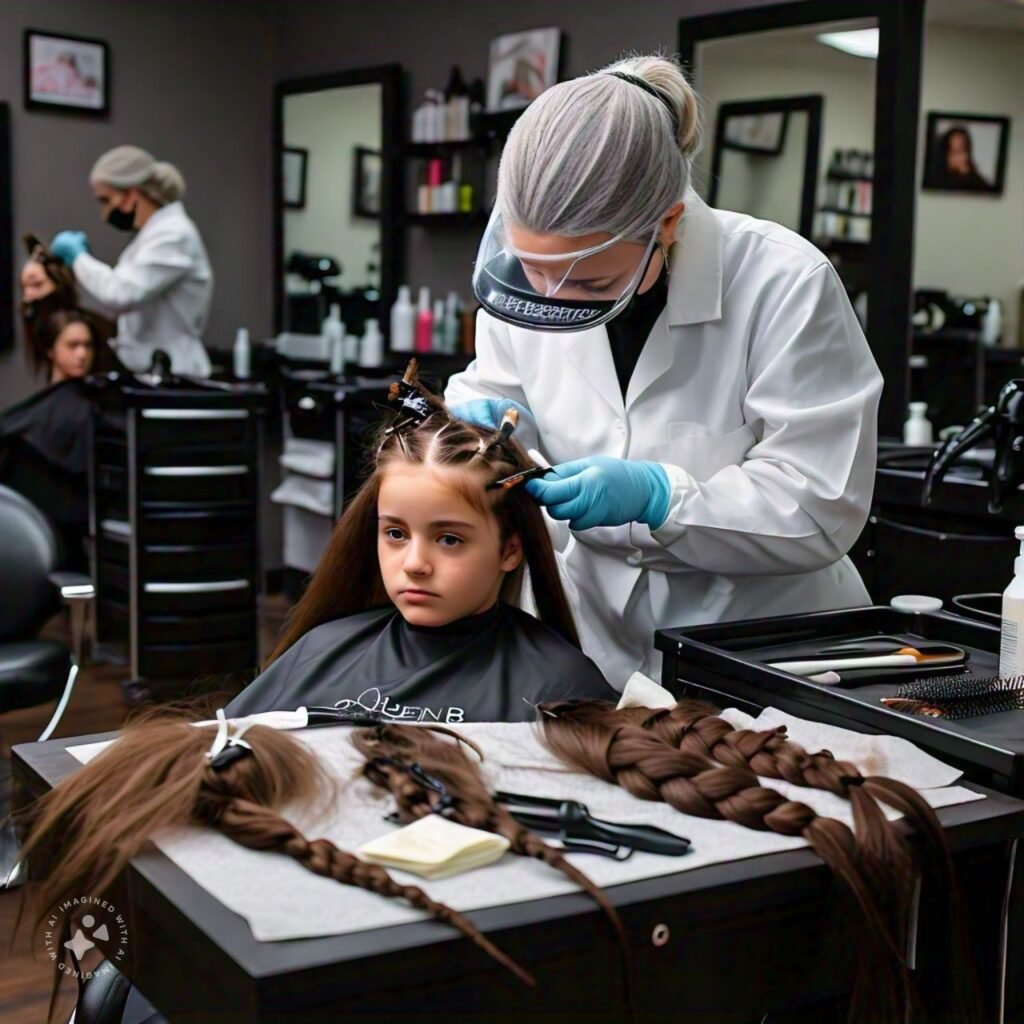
(97, 705)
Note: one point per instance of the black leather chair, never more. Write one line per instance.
(32, 671)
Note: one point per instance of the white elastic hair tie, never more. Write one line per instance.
(225, 737)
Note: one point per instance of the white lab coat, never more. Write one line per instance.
(160, 288)
(757, 392)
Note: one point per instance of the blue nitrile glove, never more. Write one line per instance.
(69, 245)
(487, 412)
(602, 491)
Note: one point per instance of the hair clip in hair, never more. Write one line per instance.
(508, 482)
(228, 745)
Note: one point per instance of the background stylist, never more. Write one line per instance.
(716, 439)
(162, 285)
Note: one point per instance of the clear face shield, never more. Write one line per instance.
(558, 292)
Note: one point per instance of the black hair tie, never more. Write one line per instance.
(852, 780)
(651, 91)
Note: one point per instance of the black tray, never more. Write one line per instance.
(723, 661)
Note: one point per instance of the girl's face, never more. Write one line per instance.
(72, 353)
(440, 558)
(35, 284)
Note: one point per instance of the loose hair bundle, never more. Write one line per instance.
(157, 775)
(409, 760)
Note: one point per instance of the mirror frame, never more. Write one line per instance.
(392, 247)
(897, 107)
(8, 268)
(809, 105)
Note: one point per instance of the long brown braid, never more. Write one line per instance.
(157, 775)
(887, 853)
(592, 736)
(391, 750)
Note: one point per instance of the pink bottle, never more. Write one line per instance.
(424, 322)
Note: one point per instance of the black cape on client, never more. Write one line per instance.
(491, 667)
(44, 456)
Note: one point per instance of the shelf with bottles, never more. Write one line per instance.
(458, 219)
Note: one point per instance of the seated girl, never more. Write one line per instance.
(411, 611)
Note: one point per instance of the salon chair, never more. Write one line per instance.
(32, 670)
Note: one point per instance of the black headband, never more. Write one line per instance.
(651, 91)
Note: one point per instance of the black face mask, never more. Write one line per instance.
(117, 218)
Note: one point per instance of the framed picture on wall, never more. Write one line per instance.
(66, 73)
(366, 175)
(293, 177)
(521, 66)
(763, 133)
(966, 153)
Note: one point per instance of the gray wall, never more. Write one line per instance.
(320, 36)
(191, 83)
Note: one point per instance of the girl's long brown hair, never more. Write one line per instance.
(646, 752)
(156, 776)
(348, 580)
(391, 750)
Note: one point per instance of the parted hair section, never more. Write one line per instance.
(348, 578)
(157, 776)
(602, 154)
(696, 762)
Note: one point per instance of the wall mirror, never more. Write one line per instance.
(764, 159)
(968, 253)
(834, 85)
(337, 187)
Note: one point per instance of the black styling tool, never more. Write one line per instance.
(342, 716)
(570, 821)
(963, 696)
(517, 478)
(413, 406)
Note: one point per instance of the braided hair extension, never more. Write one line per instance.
(593, 737)
(893, 853)
(157, 775)
(392, 750)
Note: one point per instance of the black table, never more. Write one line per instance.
(744, 938)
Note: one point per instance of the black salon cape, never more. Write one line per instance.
(44, 455)
(491, 667)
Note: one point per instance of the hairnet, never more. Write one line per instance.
(132, 167)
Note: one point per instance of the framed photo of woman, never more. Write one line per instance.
(966, 153)
(66, 73)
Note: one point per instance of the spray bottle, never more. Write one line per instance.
(242, 354)
(1011, 644)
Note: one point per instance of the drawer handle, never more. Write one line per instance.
(210, 587)
(196, 470)
(195, 414)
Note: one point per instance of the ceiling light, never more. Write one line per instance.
(862, 42)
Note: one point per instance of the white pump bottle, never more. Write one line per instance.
(1011, 645)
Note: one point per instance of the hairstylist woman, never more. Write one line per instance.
(697, 376)
(161, 286)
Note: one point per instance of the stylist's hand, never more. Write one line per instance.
(602, 491)
(487, 412)
(69, 245)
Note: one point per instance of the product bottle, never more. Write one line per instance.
(437, 327)
(371, 348)
(1011, 644)
(424, 322)
(334, 331)
(403, 322)
(452, 327)
(351, 349)
(917, 429)
(434, 171)
(454, 93)
(992, 323)
(242, 354)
